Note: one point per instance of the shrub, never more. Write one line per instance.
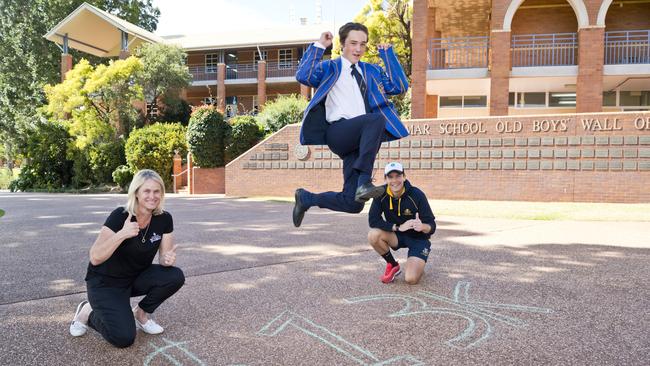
(207, 137)
(175, 109)
(152, 147)
(245, 134)
(94, 164)
(282, 111)
(122, 175)
(45, 165)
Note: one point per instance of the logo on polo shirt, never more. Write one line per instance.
(154, 238)
(408, 212)
(425, 252)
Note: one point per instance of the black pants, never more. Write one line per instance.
(112, 316)
(356, 141)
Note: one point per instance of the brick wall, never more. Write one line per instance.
(628, 17)
(208, 180)
(560, 19)
(601, 157)
(589, 92)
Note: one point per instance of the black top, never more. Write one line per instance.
(405, 207)
(132, 256)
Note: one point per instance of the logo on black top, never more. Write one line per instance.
(408, 212)
(154, 238)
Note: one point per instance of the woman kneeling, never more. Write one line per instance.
(121, 266)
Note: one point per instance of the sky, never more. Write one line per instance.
(207, 16)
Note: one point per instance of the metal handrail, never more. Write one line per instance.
(627, 47)
(551, 49)
(241, 71)
(178, 175)
(458, 52)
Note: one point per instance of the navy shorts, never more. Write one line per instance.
(417, 247)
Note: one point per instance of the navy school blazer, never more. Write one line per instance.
(323, 74)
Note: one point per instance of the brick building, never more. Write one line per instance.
(543, 100)
(235, 70)
(521, 57)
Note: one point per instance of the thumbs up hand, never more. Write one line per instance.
(417, 224)
(169, 257)
(130, 229)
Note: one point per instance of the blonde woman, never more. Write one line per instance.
(121, 266)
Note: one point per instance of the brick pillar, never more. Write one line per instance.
(190, 173)
(66, 64)
(176, 170)
(589, 91)
(431, 110)
(221, 87)
(423, 26)
(500, 73)
(261, 83)
(124, 55)
(305, 91)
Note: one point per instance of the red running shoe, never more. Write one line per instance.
(391, 273)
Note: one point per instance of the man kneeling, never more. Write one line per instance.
(407, 222)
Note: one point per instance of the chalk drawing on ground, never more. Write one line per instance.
(325, 336)
(165, 351)
(478, 315)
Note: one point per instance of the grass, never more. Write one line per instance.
(2, 213)
(547, 211)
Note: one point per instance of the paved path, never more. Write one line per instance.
(260, 292)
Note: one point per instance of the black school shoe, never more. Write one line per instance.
(368, 191)
(299, 208)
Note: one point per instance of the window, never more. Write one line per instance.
(451, 102)
(474, 101)
(285, 57)
(562, 99)
(231, 106)
(609, 99)
(256, 106)
(211, 61)
(209, 100)
(152, 109)
(467, 101)
(532, 100)
(634, 98)
(512, 97)
(258, 58)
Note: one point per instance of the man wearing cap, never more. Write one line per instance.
(407, 222)
(350, 113)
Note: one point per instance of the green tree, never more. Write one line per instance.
(96, 104)
(207, 137)
(164, 72)
(282, 111)
(28, 61)
(153, 147)
(45, 164)
(245, 134)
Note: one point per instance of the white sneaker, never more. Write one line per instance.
(150, 327)
(77, 328)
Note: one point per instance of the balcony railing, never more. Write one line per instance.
(627, 47)
(281, 69)
(203, 72)
(555, 49)
(241, 71)
(274, 69)
(458, 52)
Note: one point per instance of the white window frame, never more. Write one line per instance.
(283, 62)
(152, 110)
(211, 62)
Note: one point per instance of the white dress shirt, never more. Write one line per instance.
(344, 100)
